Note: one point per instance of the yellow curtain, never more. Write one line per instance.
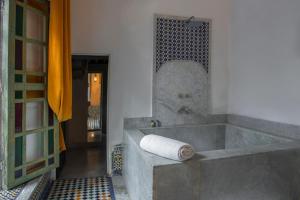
(59, 63)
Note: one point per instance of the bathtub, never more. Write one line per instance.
(231, 163)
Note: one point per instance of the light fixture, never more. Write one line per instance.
(95, 78)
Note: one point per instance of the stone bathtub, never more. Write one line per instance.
(232, 163)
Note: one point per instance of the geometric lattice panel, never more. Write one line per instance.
(175, 40)
(117, 160)
(99, 188)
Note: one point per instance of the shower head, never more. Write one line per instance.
(192, 22)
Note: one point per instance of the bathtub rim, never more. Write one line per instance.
(218, 124)
(136, 135)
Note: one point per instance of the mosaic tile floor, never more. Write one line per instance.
(11, 194)
(99, 188)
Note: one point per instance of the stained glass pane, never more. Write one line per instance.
(19, 151)
(50, 142)
(50, 117)
(19, 20)
(35, 94)
(34, 79)
(35, 57)
(34, 146)
(18, 173)
(34, 115)
(18, 55)
(18, 94)
(36, 25)
(35, 167)
(18, 78)
(18, 117)
(50, 161)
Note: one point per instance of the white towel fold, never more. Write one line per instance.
(167, 148)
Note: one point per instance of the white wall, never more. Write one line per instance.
(124, 30)
(265, 60)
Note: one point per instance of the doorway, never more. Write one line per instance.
(86, 134)
(94, 125)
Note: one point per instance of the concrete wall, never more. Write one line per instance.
(124, 30)
(269, 170)
(265, 60)
(137, 170)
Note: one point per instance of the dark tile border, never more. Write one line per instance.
(111, 188)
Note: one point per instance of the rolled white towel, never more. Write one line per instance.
(167, 148)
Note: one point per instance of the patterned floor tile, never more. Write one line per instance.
(11, 194)
(98, 188)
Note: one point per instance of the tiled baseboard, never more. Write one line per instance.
(117, 160)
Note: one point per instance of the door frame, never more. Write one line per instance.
(103, 69)
(4, 87)
(84, 59)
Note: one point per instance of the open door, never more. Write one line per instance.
(30, 134)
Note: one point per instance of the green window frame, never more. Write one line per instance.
(30, 145)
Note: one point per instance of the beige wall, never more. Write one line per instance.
(265, 57)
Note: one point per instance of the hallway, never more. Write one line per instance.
(84, 162)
